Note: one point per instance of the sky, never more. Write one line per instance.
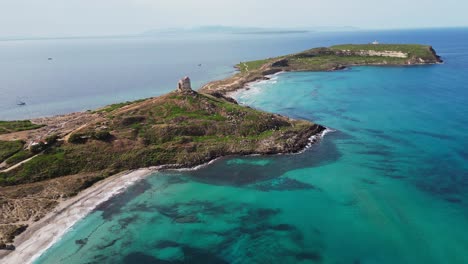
(46, 18)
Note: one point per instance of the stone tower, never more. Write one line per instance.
(184, 85)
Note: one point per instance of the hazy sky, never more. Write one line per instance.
(109, 17)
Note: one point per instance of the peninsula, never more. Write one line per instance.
(326, 59)
(46, 161)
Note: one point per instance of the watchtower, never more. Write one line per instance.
(184, 85)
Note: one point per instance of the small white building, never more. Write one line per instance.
(375, 42)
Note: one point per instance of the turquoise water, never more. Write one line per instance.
(390, 185)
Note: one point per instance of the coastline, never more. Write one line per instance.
(247, 86)
(43, 234)
(313, 61)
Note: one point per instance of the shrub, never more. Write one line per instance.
(102, 135)
(77, 138)
(36, 148)
(52, 139)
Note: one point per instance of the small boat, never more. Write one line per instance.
(49, 58)
(199, 65)
(20, 102)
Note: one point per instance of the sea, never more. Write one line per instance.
(388, 184)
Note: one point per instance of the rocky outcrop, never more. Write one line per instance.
(227, 98)
(385, 53)
(280, 63)
(434, 54)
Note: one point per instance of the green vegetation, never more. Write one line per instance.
(102, 135)
(80, 138)
(335, 57)
(19, 157)
(251, 65)
(112, 107)
(9, 148)
(416, 50)
(41, 167)
(184, 129)
(326, 62)
(52, 139)
(38, 148)
(15, 126)
(77, 138)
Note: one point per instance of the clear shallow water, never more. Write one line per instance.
(389, 186)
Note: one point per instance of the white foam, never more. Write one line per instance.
(315, 138)
(195, 167)
(255, 87)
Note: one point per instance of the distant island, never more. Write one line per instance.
(46, 161)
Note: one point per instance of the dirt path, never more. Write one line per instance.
(19, 164)
(71, 132)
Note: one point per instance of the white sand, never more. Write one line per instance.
(42, 234)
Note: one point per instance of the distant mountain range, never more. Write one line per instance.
(242, 30)
(196, 30)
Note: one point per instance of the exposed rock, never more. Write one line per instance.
(271, 71)
(385, 53)
(338, 67)
(227, 98)
(4, 246)
(280, 63)
(439, 60)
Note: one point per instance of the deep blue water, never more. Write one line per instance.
(390, 185)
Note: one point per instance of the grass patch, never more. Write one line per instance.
(9, 148)
(19, 157)
(321, 59)
(421, 51)
(323, 62)
(245, 67)
(112, 107)
(15, 126)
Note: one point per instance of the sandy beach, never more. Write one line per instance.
(44, 233)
